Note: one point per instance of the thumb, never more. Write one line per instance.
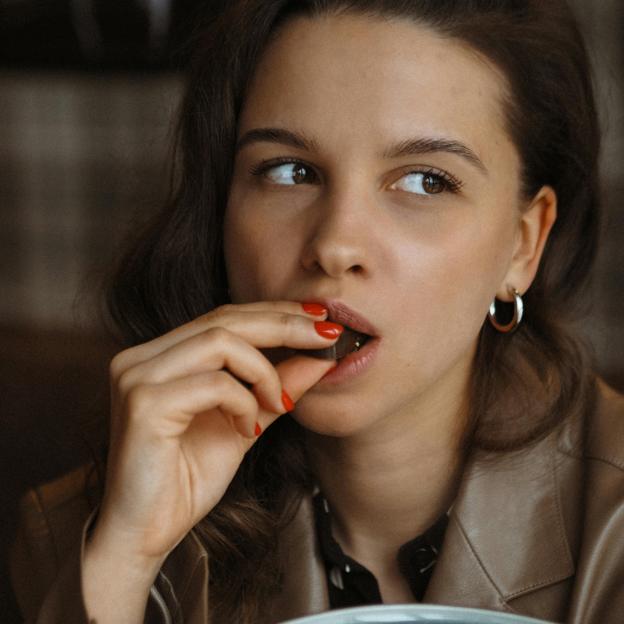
(300, 373)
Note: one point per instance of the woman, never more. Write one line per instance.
(379, 177)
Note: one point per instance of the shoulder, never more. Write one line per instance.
(598, 593)
(605, 429)
(51, 517)
(75, 493)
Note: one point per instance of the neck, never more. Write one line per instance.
(393, 481)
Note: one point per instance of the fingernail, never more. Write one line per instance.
(328, 329)
(314, 308)
(258, 430)
(287, 402)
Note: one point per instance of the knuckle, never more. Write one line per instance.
(138, 399)
(289, 325)
(217, 336)
(118, 364)
(235, 391)
(224, 383)
(124, 382)
(285, 320)
(220, 312)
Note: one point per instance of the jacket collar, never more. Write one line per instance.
(506, 538)
(183, 580)
(506, 535)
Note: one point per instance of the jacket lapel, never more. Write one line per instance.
(304, 589)
(505, 540)
(506, 534)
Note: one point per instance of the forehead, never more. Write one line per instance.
(353, 76)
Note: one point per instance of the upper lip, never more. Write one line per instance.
(341, 313)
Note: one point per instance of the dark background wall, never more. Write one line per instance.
(87, 93)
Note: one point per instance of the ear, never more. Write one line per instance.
(534, 227)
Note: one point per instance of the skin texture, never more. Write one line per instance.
(358, 229)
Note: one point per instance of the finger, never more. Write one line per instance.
(168, 409)
(278, 329)
(298, 374)
(211, 350)
(313, 310)
(232, 316)
(266, 329)
(215, 318)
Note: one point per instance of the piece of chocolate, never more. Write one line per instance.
(348, 342)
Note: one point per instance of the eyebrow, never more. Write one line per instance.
(431, 145)
(409, 147)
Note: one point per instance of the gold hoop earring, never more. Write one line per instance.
(517, 315)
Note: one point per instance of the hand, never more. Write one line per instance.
(182, 420)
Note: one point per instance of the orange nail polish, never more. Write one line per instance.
(328, 329)
(314, 308)
(287, 402)
(258, 430)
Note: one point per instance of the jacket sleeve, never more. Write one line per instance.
(64, 600)
(46, 557)
(51, 521)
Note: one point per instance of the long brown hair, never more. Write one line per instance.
(524, 385)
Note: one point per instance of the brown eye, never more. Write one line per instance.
(421, 183)
(299, 174)
(288, 174)
(432, 184)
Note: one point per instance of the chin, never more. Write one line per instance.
(338, 423)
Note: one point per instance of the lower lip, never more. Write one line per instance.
(353, 365)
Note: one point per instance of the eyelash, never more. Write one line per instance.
(451, 183)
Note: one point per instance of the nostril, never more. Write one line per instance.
(334, 257)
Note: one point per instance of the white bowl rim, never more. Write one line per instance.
(380, 614)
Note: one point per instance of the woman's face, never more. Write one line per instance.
(389, 184)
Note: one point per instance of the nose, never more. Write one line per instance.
(341, 239)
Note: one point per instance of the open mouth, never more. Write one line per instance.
(350, 341)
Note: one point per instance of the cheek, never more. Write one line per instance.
(450, 282)
(258, 255)
(463, 254)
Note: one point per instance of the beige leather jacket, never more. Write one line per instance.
(539, 533)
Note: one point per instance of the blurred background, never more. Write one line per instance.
(88, 90)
